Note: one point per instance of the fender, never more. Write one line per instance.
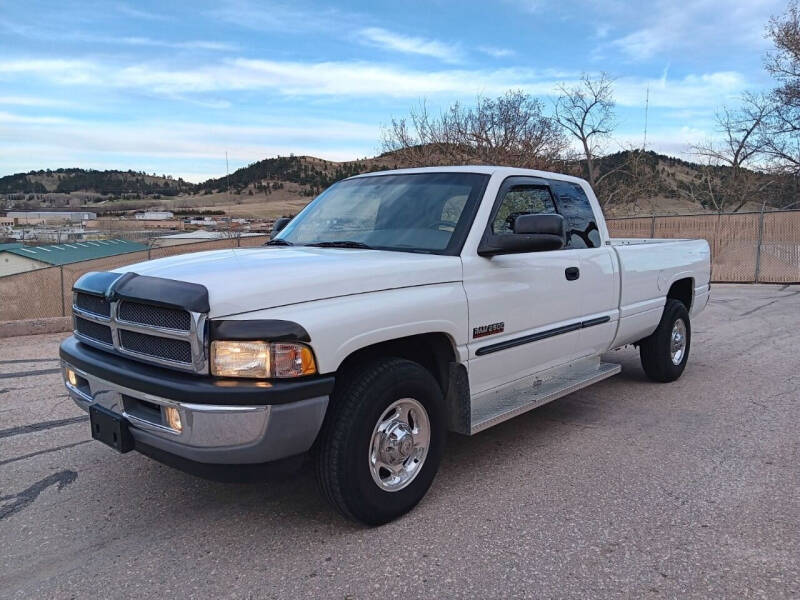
(340, 326)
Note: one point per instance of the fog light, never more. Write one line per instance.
(72, 377)
(173, 418)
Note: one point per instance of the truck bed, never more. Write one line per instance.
(648, 268)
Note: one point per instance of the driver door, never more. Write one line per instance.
(522, 307)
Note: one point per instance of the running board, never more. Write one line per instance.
(496, 406)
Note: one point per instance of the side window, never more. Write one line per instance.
(582, 231)
(521, 200)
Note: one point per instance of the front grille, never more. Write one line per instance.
(154, 316)
(93, 304)
(92, 330)
(158, 347)
(170, 336)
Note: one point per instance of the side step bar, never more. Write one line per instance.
(495, 406)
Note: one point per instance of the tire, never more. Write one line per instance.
(346, 465)
(661, 360)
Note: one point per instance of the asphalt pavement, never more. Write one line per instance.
(627, 489)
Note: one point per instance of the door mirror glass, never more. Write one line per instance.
(531, 233)
(539, 224)
(278, 225)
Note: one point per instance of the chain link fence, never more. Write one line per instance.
(761, 247)
(48, 292)
(754, 247)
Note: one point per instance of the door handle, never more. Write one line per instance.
(572, 273)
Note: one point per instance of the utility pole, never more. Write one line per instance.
(228, 191)
(646, 107)
(227, 179)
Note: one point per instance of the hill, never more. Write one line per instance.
(633, 182)
(102, 183)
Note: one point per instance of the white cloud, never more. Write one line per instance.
(602, 30)
(177, 147)
(283, 17)
(11, 118)
(692, 91)
(59, 71)
(672, 141)
(388, 40)
(365, 80)
(529, 6)
(145, 41)
(706, 25)
(496, 52)
(49, 34)
(33, 101)
(137, 13)
(641, 31)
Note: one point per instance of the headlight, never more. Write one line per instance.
(261, 359)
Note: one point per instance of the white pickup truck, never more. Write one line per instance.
(396, 307)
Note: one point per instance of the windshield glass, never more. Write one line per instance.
(421, 212)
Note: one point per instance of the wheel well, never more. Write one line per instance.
(683, 291)
(434, 351)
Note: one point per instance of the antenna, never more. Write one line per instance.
(227, 179)
(646, 107)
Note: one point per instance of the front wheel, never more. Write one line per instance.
(665, 352)
(380, 447)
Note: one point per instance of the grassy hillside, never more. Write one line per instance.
(105, 183)
(632, 183)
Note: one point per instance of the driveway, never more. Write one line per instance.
(625, 489)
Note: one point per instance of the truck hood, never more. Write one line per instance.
(243, 280)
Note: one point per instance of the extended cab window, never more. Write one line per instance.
(574, 206)
(521, 200)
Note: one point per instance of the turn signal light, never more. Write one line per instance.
(173, 418)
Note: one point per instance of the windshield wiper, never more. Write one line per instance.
(279, 243)
(341, 244)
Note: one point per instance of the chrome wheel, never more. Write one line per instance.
(399, 444)
(677, 342)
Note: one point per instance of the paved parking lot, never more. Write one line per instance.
(625, 489)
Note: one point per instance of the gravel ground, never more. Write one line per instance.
(626, 489)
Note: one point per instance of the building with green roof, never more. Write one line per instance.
(17, 258)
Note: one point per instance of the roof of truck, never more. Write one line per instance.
(485, 169)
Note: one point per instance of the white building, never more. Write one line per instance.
(154, 215)
(203, 222)
(50, 216)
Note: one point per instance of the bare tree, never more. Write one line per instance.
(783, 63)
(629, 179)
(586, 111)
(742, 143)
(509, 130)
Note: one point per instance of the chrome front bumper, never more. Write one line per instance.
(214, 434)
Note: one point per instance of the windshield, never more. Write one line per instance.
(421, 212)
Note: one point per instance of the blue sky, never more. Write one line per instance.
(169, 87)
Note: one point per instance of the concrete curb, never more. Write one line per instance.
(35, 326)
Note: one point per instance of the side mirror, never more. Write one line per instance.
(531, 233)
(278, 225)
